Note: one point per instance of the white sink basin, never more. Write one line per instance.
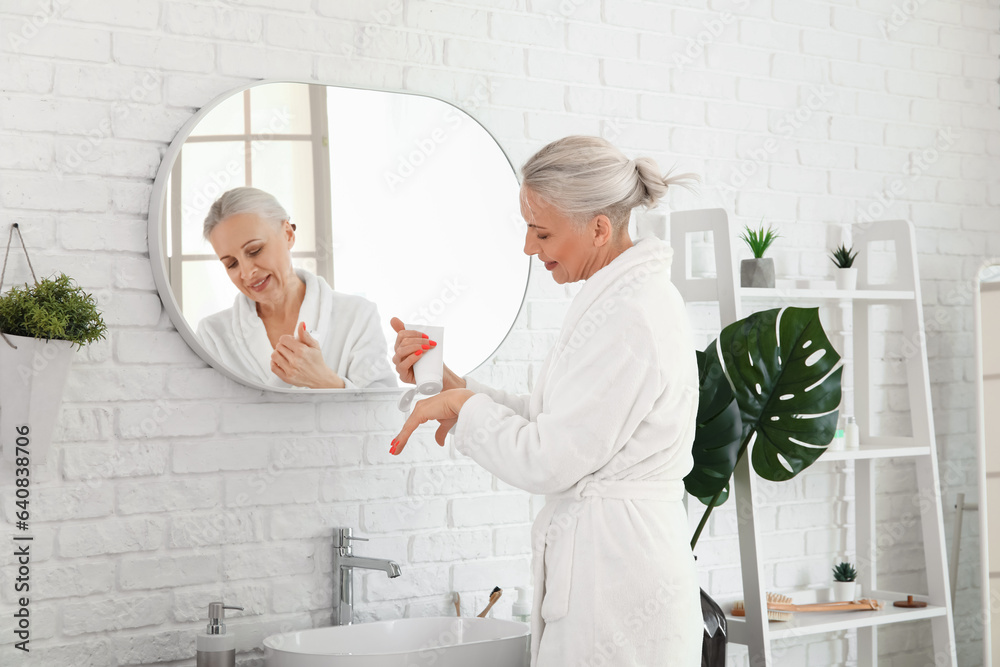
(441, 641)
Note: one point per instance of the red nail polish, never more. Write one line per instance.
(395, 441)
(392, 450)
(418, 353)
(433, 343)
(426, 347)
(425, 335)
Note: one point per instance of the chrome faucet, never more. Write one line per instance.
(344, 562)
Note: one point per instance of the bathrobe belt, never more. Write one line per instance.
(553, 537)
(623, 489)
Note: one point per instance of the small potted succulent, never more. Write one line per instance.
(759, 271)
(847, 273)
(39, 325)
(844, 583)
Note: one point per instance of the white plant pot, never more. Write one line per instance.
(847, 279)
(843, 591)
(32, 378)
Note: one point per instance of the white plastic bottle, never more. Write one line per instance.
(521, 610)
(852, 437)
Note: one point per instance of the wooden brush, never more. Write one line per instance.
(458, 604)
(783, 603)
(494, 596)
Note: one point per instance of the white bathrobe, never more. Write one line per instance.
(606, 436)
(346, 327)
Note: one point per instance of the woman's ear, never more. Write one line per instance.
(289, 231)
(603, 232)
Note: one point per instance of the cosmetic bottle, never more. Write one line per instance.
(521, 610)
(837, 444)
(215, 647)
(852, 437)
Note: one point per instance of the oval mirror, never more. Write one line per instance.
(401, 199)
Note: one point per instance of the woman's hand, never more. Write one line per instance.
(410, 344)
(298, 360)
(444, 408)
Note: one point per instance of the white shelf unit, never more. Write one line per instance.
(735, 302)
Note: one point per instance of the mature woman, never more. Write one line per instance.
(606, 435)
(287, 327)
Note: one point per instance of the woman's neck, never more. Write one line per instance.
(288, 306)
(610, 253)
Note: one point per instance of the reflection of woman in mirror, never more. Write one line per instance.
(606, 434)
(287, 326)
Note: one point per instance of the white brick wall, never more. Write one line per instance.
(170, 486)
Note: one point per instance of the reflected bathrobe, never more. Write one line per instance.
(346, 327)
(606, 436)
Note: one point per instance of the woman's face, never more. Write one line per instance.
(256, 254)
(569, 252)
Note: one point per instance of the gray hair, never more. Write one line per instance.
(244, 200)
(587, 176)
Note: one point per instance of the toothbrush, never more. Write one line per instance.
(458, 604)
(494, 596)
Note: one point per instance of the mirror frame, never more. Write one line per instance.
(161, 278)
(984, 535)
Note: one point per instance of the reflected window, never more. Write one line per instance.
(267, 137)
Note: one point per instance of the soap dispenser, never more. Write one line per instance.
(215, 647)
(521, 611)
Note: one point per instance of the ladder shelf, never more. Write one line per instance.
(903, 292)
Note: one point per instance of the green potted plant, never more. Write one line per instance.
(759, 271)
(844, 583)
(40, 324)
(752, 390)
(846, 273)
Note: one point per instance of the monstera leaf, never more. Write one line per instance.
(786, 379)
(717, 437)
(785, 376)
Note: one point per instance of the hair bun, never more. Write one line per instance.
(586, 176)
(656, 184)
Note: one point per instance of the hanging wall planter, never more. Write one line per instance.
(39, 325)
(33, 374)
